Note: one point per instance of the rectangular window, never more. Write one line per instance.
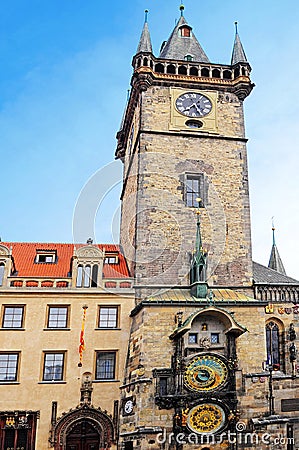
(13, 317)
(195, 191)
(105, 365)
(192, 338)
(53, 366)
(9, 366)
(57, 317)
(108, 316)
(215, 338)
(46, 257)
(113, 259)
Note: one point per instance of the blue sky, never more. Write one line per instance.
(65, 71)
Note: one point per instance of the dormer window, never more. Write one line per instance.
(46, 257)
(188, 58)
(111, 259)
(185, 31)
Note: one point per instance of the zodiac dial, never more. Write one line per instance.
(206, 418)
(205, 373)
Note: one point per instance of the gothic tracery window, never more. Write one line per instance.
(274, 348)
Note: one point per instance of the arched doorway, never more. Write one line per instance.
(83, 436)
(85, 428)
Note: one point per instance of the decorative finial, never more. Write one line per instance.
(198, 206)
(236, 25)
(146, 14)
(182, 7)
(273, 230)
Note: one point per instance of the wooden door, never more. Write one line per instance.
(83, 437)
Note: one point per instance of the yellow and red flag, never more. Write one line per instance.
(82, 338)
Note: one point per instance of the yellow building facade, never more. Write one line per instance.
(63, 345)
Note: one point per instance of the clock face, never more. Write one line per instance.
(205, 373)
(193, 104)
(207, 418)
(128, 406)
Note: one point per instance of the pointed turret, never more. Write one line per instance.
(275, 261)
(145, 44)
(182, 44)
(198, 283)
(238, 55)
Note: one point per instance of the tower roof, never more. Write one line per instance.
(182, 42)
(275, 261)
(238, 54)
(145, 44)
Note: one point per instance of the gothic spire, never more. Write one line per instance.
(145, 44)
(198, 266)
(182, 43)
(275, 261)
(238, 54)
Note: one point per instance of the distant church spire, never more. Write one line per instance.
(275, 261)
(145, 44)
(238, 54)
(182, 43)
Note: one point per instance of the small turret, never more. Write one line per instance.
(238, 55)
(145, 44)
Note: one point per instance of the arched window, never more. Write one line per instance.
(170, 68)
(87, 274)
(216, 73)
(185, 31)
(194, 71)
(227, 74)
(1, 273)
(94, 281)
(273, 345)
(205, 72)
(159, 68)
(79, 276)
(182, 70)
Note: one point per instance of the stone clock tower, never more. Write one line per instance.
(183, 146)
(183, 139)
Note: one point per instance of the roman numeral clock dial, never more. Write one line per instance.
(193, 104)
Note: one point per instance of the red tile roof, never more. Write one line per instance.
(24, 254)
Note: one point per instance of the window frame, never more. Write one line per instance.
(46, 253)
(111, 258)
(2, 272)
(53, 306)
(277, 363)
(16, 372)
(54, 352)
(96, 372)
(200, 193)
(196, 338)
(115, 307)
(21, 327)
(215, 335)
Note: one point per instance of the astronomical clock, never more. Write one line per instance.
(204, 376)
(200, 386)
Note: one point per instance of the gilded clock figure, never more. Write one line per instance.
(206, 418)
(206, 372)
(193, 104)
